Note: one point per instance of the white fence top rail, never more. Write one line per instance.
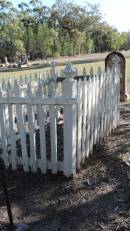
(40, 101)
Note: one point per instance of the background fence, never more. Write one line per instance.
(54, 125)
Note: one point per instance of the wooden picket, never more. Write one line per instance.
(79, 123)
(31, 131)
(12, 132)
(53, 131)
(88, 118)
(21, 130)
(3, 134)
(30, 107)
(84, 101)
(41, 123)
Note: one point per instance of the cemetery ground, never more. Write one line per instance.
(79, 61)
(96, 199)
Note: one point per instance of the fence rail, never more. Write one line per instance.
(54, 126)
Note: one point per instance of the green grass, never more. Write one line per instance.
(45, 70)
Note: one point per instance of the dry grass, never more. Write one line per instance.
(79, 65)
(32, 72)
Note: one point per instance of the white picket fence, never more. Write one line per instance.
(34, 135)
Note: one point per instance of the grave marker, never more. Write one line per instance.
(122, 63)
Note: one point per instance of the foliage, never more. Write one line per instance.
(63, 29)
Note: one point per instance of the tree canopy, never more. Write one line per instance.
(64, 28)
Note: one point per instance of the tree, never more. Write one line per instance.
(33, 48)
(63, 29)
(44, 40)
(54, 43)
(89, 44)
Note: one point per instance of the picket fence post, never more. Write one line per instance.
(70, 119)
(53, 122)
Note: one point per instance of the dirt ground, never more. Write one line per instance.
(97, 199)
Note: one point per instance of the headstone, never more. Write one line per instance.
(122, 63)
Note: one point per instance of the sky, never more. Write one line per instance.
(115, 12)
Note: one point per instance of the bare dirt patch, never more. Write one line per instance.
(97, 199)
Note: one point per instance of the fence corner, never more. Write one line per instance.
(70, 126)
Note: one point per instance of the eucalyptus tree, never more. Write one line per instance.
(10, 31)
(64, 28)
(72, 23)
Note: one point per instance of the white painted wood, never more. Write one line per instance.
(70, 120)
(115, 98)
(21, 130)
(107, 91)
(6, 122)
(98, 113)
(111, 101)
(107, 104)
(38, 163)
(3, 134)
(96, 107)
(53, 131)
(118, 94)
(99, 109)
(94, 110)
(31, 129)
(99, 106)
(110, 104)
(84, 101)
(92, 113)
(102, 107)
(79, 124)
(41, 119)
(12, 132)
(88, 125)
(42, 101)
(3, 85)
(105, 107)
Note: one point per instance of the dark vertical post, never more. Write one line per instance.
(3, 180)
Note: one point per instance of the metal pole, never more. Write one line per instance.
(3, 180)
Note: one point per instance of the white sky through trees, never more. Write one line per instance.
(115, 12)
